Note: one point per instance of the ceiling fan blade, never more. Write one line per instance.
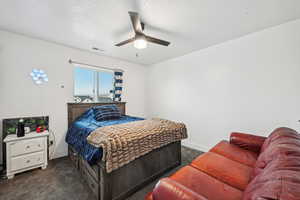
(125, 42)
(157, 41)
(136, 22)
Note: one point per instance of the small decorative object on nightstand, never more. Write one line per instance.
(25, 153)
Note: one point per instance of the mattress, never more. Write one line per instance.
(82, 127)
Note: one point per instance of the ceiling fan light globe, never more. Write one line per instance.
(140, 43)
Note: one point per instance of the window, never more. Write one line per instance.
(91, 85)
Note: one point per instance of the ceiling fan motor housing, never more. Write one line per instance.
(140, 39)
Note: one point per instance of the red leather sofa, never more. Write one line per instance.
(248, 167)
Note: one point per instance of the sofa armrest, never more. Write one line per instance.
(169, 189)
(247, 141)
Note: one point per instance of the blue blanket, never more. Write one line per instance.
(83, 126)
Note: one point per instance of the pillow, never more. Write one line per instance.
(106, 112)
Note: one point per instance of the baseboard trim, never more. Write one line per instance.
(59, 155)
(192, 145)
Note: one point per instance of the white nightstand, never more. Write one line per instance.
(25, 153)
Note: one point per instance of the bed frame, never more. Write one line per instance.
(126, 180)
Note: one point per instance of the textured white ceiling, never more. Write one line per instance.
(188, 24)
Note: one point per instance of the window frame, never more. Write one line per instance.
(96, 81)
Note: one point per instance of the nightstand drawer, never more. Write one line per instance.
(26, 161)
(27, 146)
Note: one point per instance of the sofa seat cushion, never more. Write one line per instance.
(205, 185)
(228, 171)
(235, 153)
(170, 189)
(274, 184)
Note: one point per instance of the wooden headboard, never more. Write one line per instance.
(77, 109)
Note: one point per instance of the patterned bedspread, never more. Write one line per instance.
(83, 126)
(125, 142)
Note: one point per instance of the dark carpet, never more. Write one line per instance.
(61, 181)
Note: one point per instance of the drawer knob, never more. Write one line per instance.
(39, 145)
(27, 147)
(28, 161)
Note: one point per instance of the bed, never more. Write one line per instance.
(123, 182)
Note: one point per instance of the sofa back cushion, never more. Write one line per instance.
(278, 134)
(277, 171)
(275, 185)
(224, 169)
(282, 142)
(272, 153)
(291, 163)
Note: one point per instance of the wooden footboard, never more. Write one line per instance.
(126, 180)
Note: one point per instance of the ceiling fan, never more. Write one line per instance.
(140, 39)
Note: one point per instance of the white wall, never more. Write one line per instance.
(20, 97)
(251, 84)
